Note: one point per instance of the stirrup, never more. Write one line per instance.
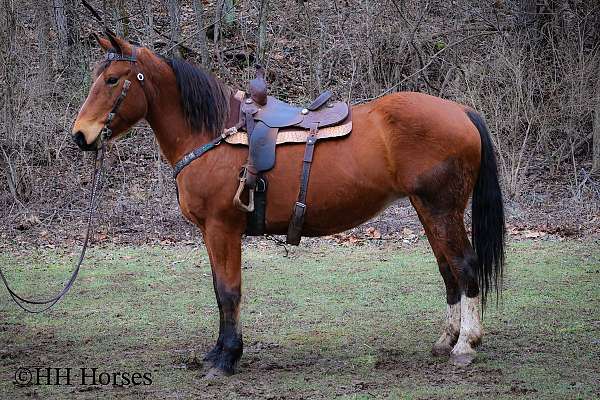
(237, 201)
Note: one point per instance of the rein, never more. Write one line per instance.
(105, 134)
(21, 301)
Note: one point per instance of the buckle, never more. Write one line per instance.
(105, 133)
(299, 208)
(261, 185)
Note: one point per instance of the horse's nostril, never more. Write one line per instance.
(79, 139)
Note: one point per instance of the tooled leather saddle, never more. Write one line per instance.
(262, 116)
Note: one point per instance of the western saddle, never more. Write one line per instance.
(261, 116)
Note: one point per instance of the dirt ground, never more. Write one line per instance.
(345, 317)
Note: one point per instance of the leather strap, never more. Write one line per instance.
(199, 151)
(319, 101)
(255, 225)
(249, 123)
(106, 130)
(298, 212)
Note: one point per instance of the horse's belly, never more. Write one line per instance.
(331, 209)
(326, 221)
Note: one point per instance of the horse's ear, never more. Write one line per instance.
(103, 42)
(117, 43)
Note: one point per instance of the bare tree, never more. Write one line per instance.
(228, 12)
(119, 11)
(43, 32)
(263, 15)
(526, 13)
(62, 30)
(8, 103)
(199, 12)
(146, 8)
(174, 7)
(596, 135)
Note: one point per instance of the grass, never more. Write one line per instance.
(327, 322)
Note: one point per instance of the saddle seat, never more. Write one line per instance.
(278, 114)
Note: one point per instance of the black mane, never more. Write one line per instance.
(203, 99)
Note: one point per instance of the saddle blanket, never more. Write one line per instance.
(294, 135)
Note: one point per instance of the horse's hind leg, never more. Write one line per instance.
(451, 328)
(456, 259)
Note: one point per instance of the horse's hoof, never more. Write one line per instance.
(441, 350)
(462, 360)
(215, 373)
(212, 355)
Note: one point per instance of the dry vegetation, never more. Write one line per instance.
(529, 66)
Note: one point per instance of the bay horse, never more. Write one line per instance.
(435, 152)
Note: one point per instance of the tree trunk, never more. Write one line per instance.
(76, 47)
(106, 14)
(228, 12)
(146, 7)
(199, 11)
(43, 32)
(62, 31)
(596, 136)
(526, 15)
(121, 18)
(174, 7)
(8, 106)
(263, 15)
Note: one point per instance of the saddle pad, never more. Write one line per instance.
(294, 135)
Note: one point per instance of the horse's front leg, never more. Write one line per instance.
(224, 251)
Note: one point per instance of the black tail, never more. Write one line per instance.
(487, 216)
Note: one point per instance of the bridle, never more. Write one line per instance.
(105, 134)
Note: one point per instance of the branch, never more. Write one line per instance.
(92, 10)
(433, 58)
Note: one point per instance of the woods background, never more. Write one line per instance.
(531, 67)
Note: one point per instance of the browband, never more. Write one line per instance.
(114, 56)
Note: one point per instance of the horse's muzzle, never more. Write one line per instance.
(79, 139)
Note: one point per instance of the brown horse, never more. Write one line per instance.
(434, 151)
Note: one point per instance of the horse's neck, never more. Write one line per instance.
(175, 137)
(166, 118)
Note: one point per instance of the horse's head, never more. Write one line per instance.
(121, 64)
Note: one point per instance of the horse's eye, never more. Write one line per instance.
(112, 80)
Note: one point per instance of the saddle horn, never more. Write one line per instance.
(258, 87)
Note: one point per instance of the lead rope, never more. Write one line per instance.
(105, 134)
(96, 181)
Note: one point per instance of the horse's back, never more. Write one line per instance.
(400, 145)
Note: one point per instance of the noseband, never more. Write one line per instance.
(106, 132)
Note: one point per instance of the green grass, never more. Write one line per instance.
(326, 322)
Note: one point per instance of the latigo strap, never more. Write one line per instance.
(299, 210)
